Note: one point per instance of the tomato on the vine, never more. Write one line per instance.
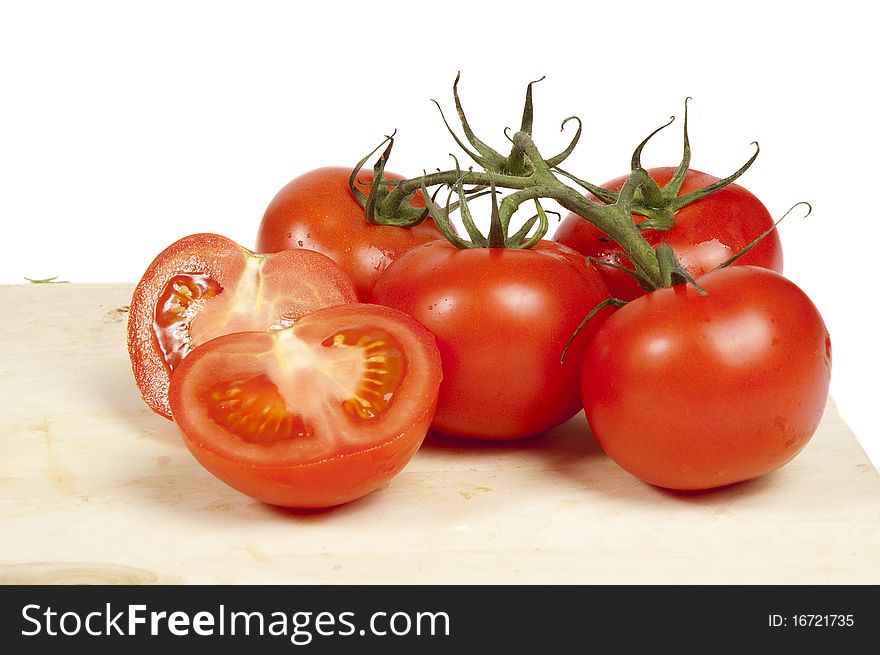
(705, 233)
(313, 415)
(693, 392)
(502, 318)
(318, 211)
(206, 285)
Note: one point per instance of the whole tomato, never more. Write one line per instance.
(502, 318)
(318, 211)
(692, 392)
(706, 232)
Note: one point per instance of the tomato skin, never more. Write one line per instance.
(312, 278)
(706, 232)
(318, 211)
(502, 319)
(359, 458)
(693, 392)
(322, 484)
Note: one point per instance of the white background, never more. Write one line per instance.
(124, 126)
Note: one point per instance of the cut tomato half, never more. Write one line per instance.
(313, 415)
(206, 285)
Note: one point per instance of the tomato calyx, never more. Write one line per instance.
(672, 272)
(499, 229)
(659, 204)
(404, 215)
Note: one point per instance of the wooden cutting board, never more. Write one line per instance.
(95, 488)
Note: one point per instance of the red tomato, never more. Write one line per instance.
(206, 285)
(314, 415)
(318, 211)
(706, 233)
(502, 319)
(694, 392)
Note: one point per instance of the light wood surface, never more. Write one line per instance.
(96, 488)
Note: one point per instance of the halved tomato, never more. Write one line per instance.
(313, 415)
(206, 285)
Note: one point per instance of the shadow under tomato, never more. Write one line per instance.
(718, 495)
(319, 514)
(569, 453)
(573, 436)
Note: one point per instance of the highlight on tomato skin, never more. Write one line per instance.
(205, 285)
(694, 392)
(313, 415)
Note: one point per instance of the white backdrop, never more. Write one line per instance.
(124, 126)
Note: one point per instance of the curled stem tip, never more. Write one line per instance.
(636, 161)
(766, 232)
(562, 156)
(470, 153)
(356, 192)
(608, 302)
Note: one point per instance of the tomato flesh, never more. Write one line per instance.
(312, 415)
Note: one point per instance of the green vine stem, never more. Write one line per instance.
(614, 219)
(531, 177)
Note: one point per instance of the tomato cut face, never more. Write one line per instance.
(204, 286)
(312, 415)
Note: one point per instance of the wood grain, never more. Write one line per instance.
(96, 488)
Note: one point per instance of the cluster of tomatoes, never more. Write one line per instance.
(307, 374)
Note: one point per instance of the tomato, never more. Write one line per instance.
(502, 318)
(313, 415)
(694, 392)
(706, 232)
(318, 211)
(205, 285)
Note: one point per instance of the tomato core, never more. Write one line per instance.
(175, 308)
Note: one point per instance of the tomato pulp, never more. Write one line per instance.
(706, 232)
(694, 392)
(502, 318)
